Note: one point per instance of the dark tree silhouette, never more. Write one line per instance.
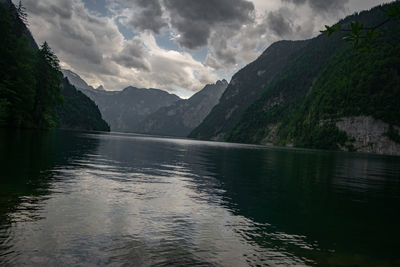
(21, 11)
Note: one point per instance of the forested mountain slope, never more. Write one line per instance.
(78, 111)
(333, 96)
(246, 87)
(31, 88)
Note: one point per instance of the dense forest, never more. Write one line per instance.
(324, 81)
(78, 111)
(32, 91)
(246, 86)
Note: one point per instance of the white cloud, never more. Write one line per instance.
(93, 46)
(171, 69)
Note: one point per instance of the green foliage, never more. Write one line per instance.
(327, 81)
(325, 136)
(250, 85)
(393, 134)
(30, 82)
(358, 34)
(29, 79)
(3, 109)
(284, 96)
(79, 111)
(331, 29)
(393, 12)
(47, 93)
(22, 15)
(17, 79)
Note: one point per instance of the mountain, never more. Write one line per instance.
(76, 80)
(32, 92)
(78, 111)
(100, 88)
(124, 110)
(151, 111)
(183, 116)
(325, 95)
(245, 87)
(19, 26)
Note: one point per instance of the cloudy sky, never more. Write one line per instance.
(175, 45)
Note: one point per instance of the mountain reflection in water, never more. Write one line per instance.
(70, 198)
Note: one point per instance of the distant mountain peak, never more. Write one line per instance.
(222, 82)
(100, 88)
(183, 116)
(76, 80)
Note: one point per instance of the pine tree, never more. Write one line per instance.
(47, 95)
(16, 73)
(21, 11)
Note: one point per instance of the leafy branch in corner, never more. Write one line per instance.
(359, 35)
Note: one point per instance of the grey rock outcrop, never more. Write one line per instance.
(76, 80)
(369, 135)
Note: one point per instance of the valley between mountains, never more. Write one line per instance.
(319, 93)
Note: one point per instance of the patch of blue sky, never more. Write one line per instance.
(262, 47)
(166, 40)
(225, 75)
(125, 31)
(97, 6)
(185, 94)
(199, 54)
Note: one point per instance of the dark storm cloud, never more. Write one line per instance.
(133, 56)
(322, 5)
(60, 8)
(224, 53)
(75, 33)
(279, 24)
(148, 16)
(194, 20)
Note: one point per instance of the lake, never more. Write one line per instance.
(95, 199)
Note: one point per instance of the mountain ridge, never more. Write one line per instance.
(180, 118)
(32, 92)
(326, 90)
(173, 116)
(125, 109)
(235, 100)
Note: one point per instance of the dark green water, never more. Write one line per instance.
(69, 198)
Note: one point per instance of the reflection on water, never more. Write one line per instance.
(72, 198)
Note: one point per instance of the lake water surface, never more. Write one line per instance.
(84, 199)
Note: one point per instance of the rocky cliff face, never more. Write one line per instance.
(76, 80)
(183, 116)
(367, 134)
